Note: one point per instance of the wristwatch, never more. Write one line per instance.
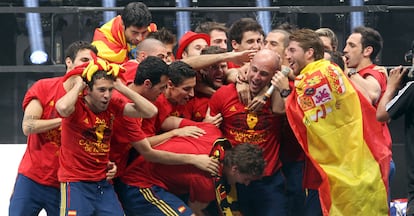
(352, 71)
(285, 92)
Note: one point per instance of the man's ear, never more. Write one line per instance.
(367, 51)
(68, 62)
(147, 83)
(235, 45)
(234, 169)
(170, 84)
(309, 54)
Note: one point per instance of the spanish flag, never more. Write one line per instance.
(111, 42)
(340, 136)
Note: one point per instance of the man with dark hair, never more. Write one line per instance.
(337, 130)
(150, 82)
(361, 50)
(180, 89)
(168, 38)
(117, 39)
(398, 101)
(88, 111)
(152, 188)
(37, 186)
(209, 79)
(216, 31)
(246, 34)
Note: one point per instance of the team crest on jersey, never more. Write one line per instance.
(233, 109)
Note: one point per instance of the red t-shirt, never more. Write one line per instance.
(178, 179)
(125, 131)
(131, 67)
(196, 108)
(40, 161)
(382, 80)
(152, 126)
(86, 135)
(241, 126)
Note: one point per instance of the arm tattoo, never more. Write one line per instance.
(29, 122)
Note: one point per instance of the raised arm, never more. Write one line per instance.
(140, 107)
(368, 86)
(198, 62)
(66, 105)
(393, 85)
(32, 122)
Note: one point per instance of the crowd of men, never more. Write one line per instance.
(235, 122)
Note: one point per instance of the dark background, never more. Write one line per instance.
(396, 26)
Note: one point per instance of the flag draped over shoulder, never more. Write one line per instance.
(111, 42)
(339, 135)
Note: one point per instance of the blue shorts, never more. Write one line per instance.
(29, 198)
(265, 197)
(153, 201)
(89, 198)
(313, 203)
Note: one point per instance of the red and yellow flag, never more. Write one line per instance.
(110, 41)
(339, 135)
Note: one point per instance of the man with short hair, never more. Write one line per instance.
(216, 31)
(329, 39)
(117, 39)
(150, 82)
(168, 39)
(152, 188)
(261, 128)
(88, 112)
(37, 186)
(326, 112)
(362, 47)
(147, 47)
(180, 89)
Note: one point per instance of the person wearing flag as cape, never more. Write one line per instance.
(338, 131)
(117, 39)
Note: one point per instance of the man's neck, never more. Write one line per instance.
(363, 64)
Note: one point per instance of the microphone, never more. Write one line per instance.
(285, 71)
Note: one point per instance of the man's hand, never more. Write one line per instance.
(256, 104)
(111, 167)
(243, 92)
(239, 58)
(395, 77)
(190, 131)
(206, 163)
(215, 120)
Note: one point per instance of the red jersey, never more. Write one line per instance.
(196, 108)
(152, 126)
(131, 67)
(240, 125)
(382, 80)
(86, 135)
(40, 161)
(125, 131)
(178, 179)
